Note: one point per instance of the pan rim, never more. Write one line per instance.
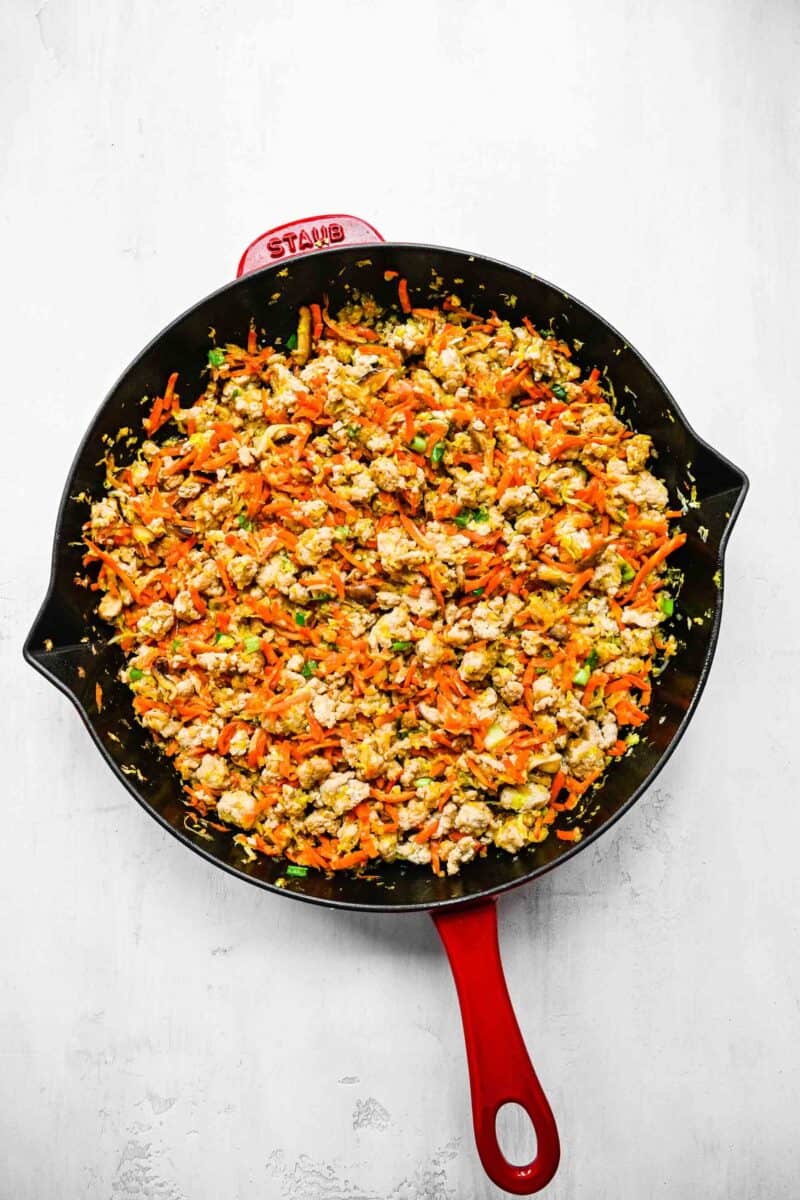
(34, 659)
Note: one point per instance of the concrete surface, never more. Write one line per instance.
(168, 1033)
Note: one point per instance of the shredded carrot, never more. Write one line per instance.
(569, 835)
(427, 832)
(596, 680)
(112, 564)
(413, 532)
(579, 582)
(257, 750)
(653, 561)
(226, 736)
(347, 861)
(559, 781)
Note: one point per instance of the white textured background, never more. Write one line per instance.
(168, 1033)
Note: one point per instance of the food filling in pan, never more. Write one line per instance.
(391, 591)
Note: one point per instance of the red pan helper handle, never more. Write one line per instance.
(500, 1070)
(303, 237)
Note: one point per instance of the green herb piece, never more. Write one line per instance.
(299, 618)
(176, 642)
(419, 443)
(341, 532)
(322, 596)
(592, 660)
(627, 572)
(471, 514)
(632, 739)
(300, 872)
(216, 357)
(437, 453)
(224, 641)
(308, 668)
(291, 341)
(478, 591)
(243, 521)
(354, 431)
(423, 781)
(558, 391)
(401, 647)
(251, 644)
(134, 674)
(581, 678)
(666, 604)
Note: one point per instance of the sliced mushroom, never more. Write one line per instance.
(361, 592)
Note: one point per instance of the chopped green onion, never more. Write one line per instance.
(478, 591)
(224, 641)
(322, 596)
(558, 391)
(666, 604)
(402, 646)
(176, 642)
(581, 678)
(216, 357)
(299, 618)
(437, 453)
(353, 431)
(592, 660)
(251, 644)
(419, 443)
(243, 521)
(471, 514)
(341, 532)
(308, 668)
(291, 341)
(627, 572)
(298, 871)
(422, 781)
(134, 674)
(632, 739)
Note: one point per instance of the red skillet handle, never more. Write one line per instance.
(499, 1068)
(305, 236)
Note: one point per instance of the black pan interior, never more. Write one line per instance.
(70, 647)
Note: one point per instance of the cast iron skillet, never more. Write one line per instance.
(281, 270)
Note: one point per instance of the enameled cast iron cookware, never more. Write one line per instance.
(281, 270)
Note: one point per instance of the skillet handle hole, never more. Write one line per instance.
(515, 1134)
